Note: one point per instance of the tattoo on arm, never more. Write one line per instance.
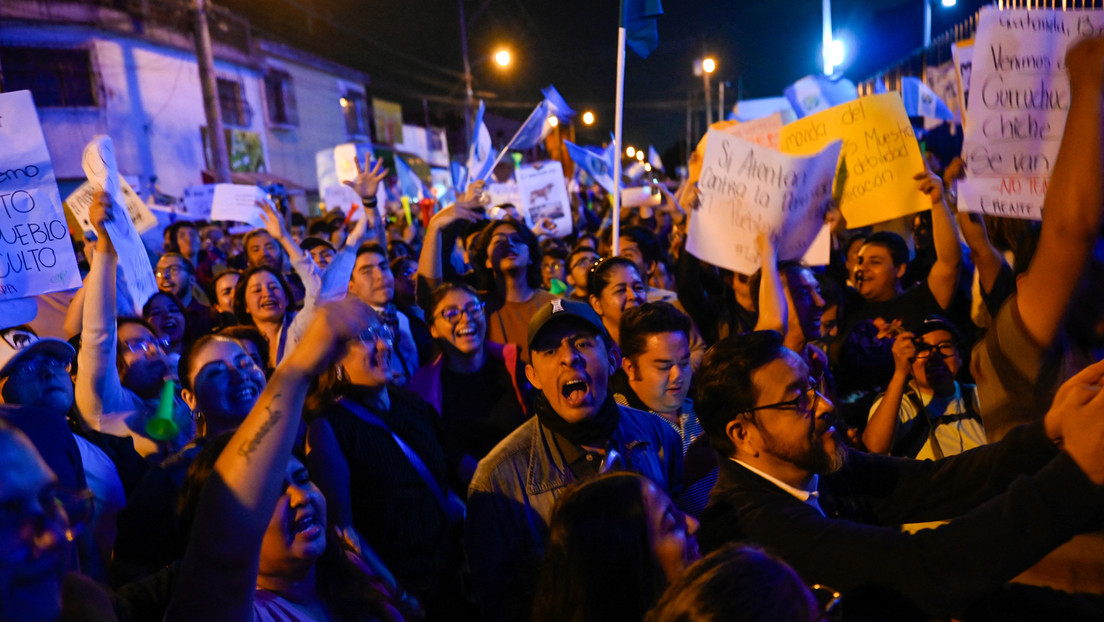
(248, 447)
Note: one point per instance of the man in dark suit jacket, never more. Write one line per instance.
(834, 515)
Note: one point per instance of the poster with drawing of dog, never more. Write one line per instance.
(544, 197)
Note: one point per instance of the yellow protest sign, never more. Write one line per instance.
(880, 156)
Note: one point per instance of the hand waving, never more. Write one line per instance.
(368, 177)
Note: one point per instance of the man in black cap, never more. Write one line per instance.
(578, 431)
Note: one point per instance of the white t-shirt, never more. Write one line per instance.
(954, 437)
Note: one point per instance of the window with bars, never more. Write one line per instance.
(280, 98)
(56, 77)
(235, 110)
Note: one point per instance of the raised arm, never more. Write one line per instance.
(943, 277)
(1072, 208)
(881, 428)
(366, 184)
(430, 265)
(773, 311)
(219, 573)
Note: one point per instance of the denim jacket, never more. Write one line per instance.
(514, 489)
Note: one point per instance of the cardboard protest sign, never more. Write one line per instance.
(962, 54)
(80, 201)
(198, 200)
(238, 202)
(500, 194)
(98, 163)
(36, 254)
(746, 188)
(880, 156)
(1007, 197)
(1020, 97)
(543, 193)
(764, 131)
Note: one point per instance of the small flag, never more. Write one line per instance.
(557, 107)
(638, 20)
(815, 93)
(654, 159)
(481, 152)
(532, 131)
(635, 170)
(409, 182)
(599, 167)
(921, 101)
(459, 176)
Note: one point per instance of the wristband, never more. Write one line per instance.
(369, 201)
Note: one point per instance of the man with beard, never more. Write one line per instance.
(834, 515)
(579, 431)
(933, 416)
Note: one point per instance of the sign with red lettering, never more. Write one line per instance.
(36, 254)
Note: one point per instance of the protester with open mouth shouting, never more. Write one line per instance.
(578, 431)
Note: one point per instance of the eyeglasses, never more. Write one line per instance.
(147, 344)
(830, 601)
(173, 270)
(473, 310)
(585, 263)
(945, 349)
(40, 364)
(65, 511)
(376, 334)
(806, 402)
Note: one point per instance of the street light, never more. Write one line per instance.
(553, 121)
(640, 156)
(928, 18)
(709, 65)
(630, 152)
(502, 57)
(588, 118)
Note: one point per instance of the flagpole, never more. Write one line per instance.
(507, 147)
(617, 118)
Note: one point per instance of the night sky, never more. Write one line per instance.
(411, 50)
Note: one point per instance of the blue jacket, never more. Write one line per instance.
(514, 489)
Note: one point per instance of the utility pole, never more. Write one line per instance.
(220, 159)
(468, 95)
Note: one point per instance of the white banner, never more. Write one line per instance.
(36, 253)
(747, 188)
(238, 202)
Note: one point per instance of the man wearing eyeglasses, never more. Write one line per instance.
(924, 413)
(835, 515)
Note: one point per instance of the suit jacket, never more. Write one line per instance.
(1010, 503)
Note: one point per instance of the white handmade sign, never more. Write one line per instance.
(36, 254)
(543, 193)
(80, 201)
(962, 53)
(238, 202)
(1007, 197)
(746, 188)
(98, 163)
(762, 131)
(1019, 100)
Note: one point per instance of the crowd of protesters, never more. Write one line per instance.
(379, 418)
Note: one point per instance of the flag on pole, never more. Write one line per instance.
(638, 20)
(600, 167)
(635, 170)
(921, 101)
(557, 107)
(815, 93)
(459, 176)
(654, 159)
(480, 153)
(532, 131)
(409, 182)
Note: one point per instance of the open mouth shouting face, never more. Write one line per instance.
(571, 367)
(296, 534)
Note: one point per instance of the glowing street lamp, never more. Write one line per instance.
(588, 118)
(630, 152)
(640, 156)
(553, 121)
(502, 57)
(708, 65)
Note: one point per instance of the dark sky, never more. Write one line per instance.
(411, 50)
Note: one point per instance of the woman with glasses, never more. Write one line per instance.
(374, 449)
(478, 387)
(122, 363)
(925, 413)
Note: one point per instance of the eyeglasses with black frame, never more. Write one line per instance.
(38, 364)
(946, 349)
(806, 402)
(473, 310)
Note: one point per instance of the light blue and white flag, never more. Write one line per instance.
(635, 170)
(812, 94)
(532, 131)
(459, 176)
(921, 101)
(409, 182)
(654, 159)
(599, 167)
(557, 107)
(481, 152)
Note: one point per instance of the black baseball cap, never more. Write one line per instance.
(564, 310)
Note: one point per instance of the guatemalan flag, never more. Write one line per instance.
(409, 182)
(600, 167)
(654, 159)
(921, 101)
(532, 131)
(812, 94)
(481, 152)
(557, 107)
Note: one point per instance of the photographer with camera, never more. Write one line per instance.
(924, 413)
